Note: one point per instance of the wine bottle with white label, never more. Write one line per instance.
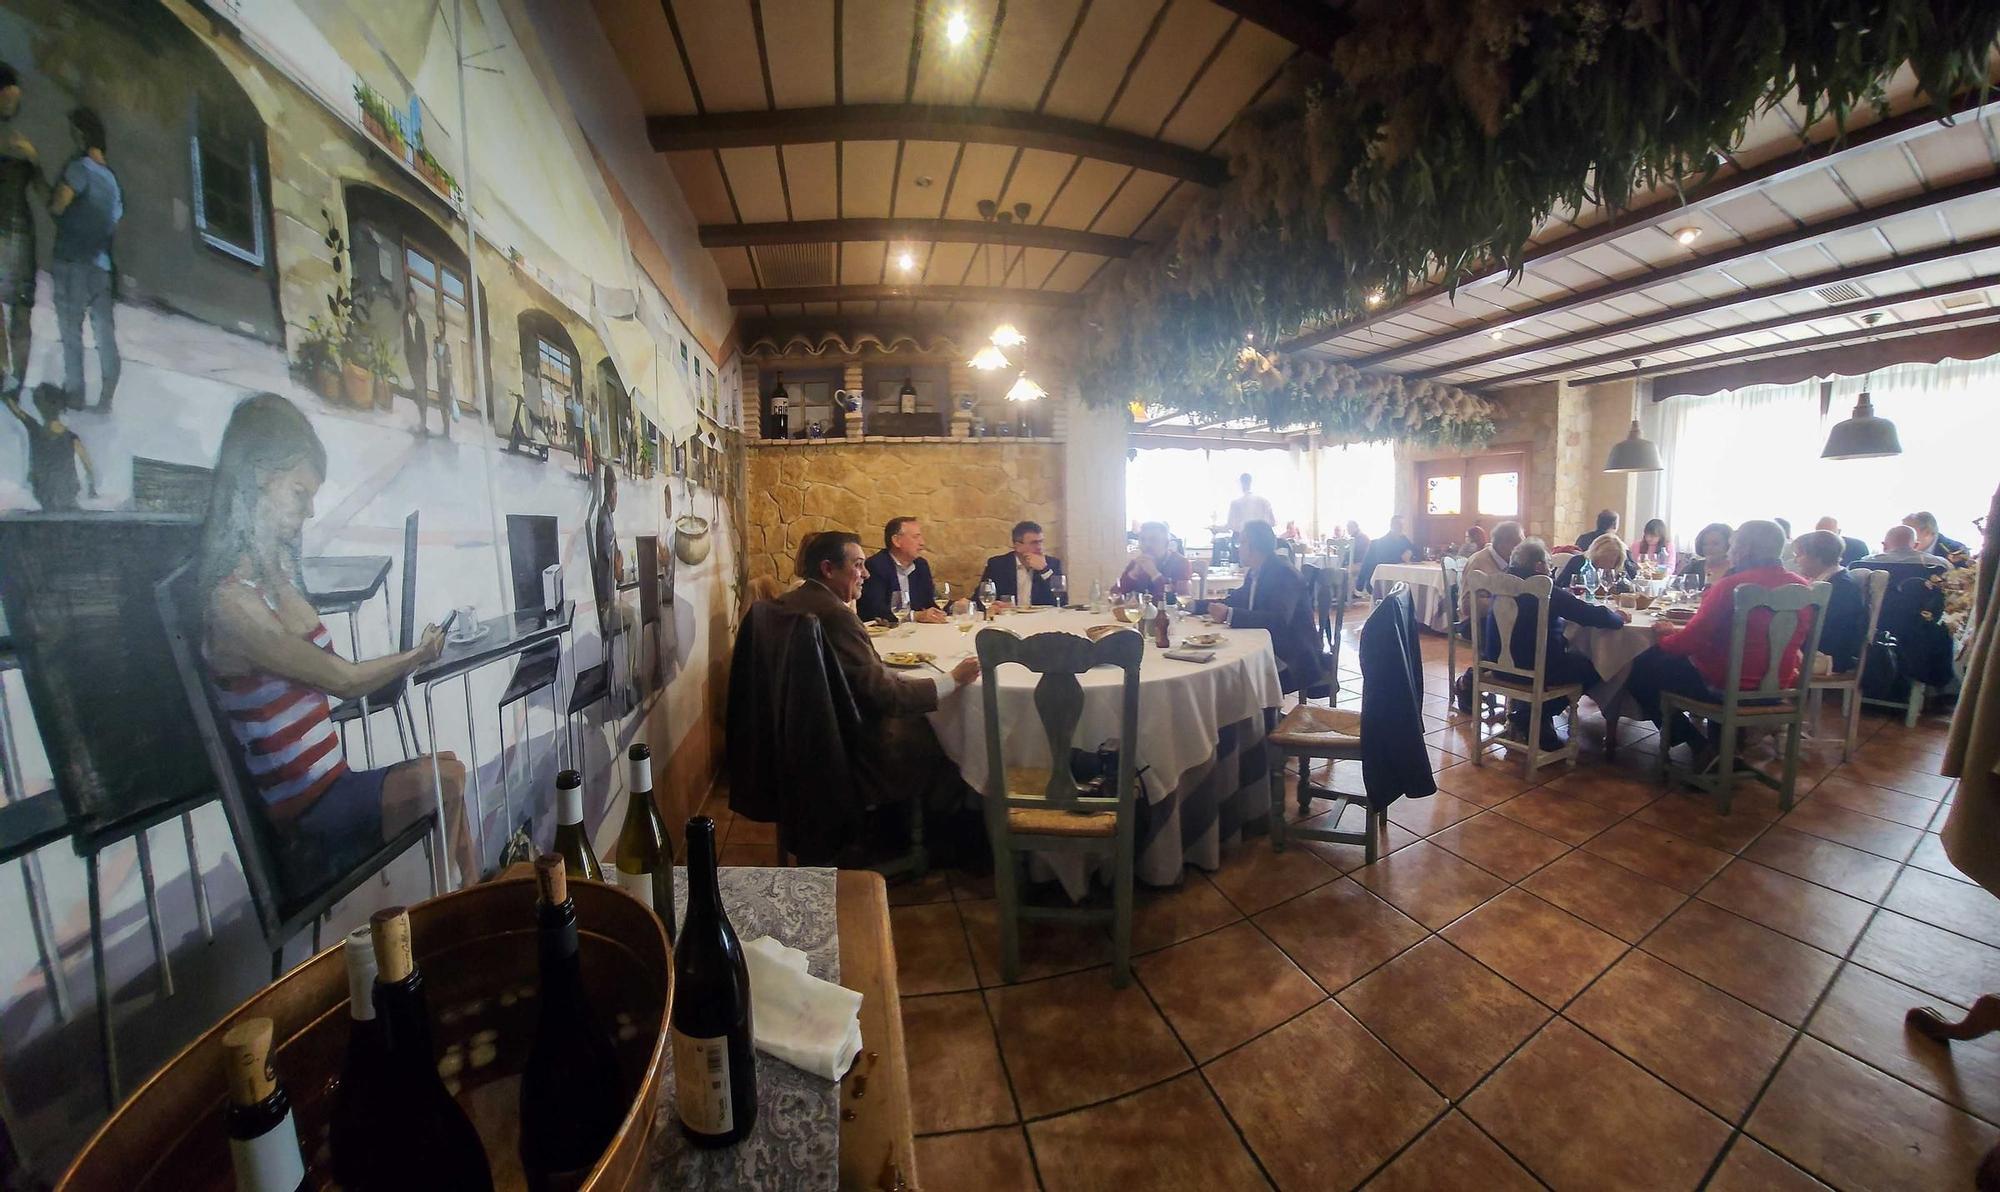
(645, 859)
(263, 1137)
(715, 1062)
(572, 839)
(572, 1094)
(426, 1139)
(360, 1099)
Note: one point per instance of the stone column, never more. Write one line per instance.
(1093, 462)
(851, 381)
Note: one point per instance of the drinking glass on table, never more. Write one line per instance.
(899, 605)
(1059, 588)
(988, 593)
(944, 596)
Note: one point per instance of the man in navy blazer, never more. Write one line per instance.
(1028, 563)
(899, 567)
(1276, 598)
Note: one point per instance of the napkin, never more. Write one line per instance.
(813, 1025)
(1187, 654)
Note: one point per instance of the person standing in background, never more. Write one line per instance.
(20, 176)
(1248, 508)
(87, 204)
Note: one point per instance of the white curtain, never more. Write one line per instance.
(1357, 483)
(1190, 488)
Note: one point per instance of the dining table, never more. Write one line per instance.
(1427, 592)
(1200, 757)
(1611, 652)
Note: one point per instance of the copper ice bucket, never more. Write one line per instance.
(478, 955)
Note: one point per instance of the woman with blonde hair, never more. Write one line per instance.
(1606, 553)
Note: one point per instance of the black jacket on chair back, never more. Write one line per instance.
(1394, 761)
(792, 722)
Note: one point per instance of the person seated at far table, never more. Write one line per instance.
(1607, 523)
(1276, 598)
(1931, 542)
(1695, 660)
(1852, 549)
(1653, 540)
(900, 567)
(1847, 606)
(1024, 575)
(1899, 545)
(1156, 566)
(1606, 552)
(1711, 555)
(1393, 547)
(1563, 664)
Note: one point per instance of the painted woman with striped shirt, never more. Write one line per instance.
(271, 660)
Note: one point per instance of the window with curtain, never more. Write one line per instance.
(1357, 483)
(1190, 488)
(1755, 452)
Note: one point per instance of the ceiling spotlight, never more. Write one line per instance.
(957, 29)
(1374, 298)
(1496, 335)
(1687, 236)
(905, 261)
(1006, 335)
(923, 182)
(988, 359)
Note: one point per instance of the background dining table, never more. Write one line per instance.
(1427, 595)
(1200, 723)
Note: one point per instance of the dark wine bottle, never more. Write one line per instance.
(263, 1138)
(645, 859)
(715, 1062)
(572, 1095)
(572, 839)
(426, 1139)
(363, 1094)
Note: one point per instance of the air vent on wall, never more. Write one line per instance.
(1841, 292)
(1965, 301)
(785, 265)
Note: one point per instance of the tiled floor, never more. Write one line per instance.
(1585, 983)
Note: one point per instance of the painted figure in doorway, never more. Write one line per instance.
(20, 178)
(441, 369)
(87, 204)
(417, 357)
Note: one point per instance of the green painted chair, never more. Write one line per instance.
(1045, 810)
(1874, 588)
(1521, 680)
(1454, 586)
(1769, 706)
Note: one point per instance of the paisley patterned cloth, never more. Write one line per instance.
(796, 1144)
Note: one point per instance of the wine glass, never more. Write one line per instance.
(944, 596)
(899, 604)
(1059, 588)
(988, 593)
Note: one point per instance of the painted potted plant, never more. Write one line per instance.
(317, 365)
(382, 368)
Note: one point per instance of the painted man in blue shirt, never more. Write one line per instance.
(87, 205)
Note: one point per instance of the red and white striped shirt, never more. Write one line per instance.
(284, 728)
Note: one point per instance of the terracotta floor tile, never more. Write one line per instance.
(1581, 1116)
(1818, 916)
(1539, 947)
(1855, 1127)
(971, 887)
(1774, 973)
(1429, 884)
(1312, 1132)
(1694, 817)
(1659, 854)
(1501, 846)
(1836, 866)
(956, 1081)
(1444, 1013)
(1863, 1016)
(1750, 1167)
(1948, 903)
(1613, 788)
(1830, 821)
(1939, 962)
(1170, 1137)
(1878, 801)
(1047, 948)
(1346, 858)
(986, 1159)
(1453, 1154)
(1254, 877)
(1882, 752)
(1162, 917)
(934, 886)
(1699, 1040)
(1339, 931)
(1225, 987)
(1493, 783)
(1930, 857)
(1915, 776)
(1568, 818)
(1605, 895)
(1069, 1041)
(1427, 815)
(931, 952)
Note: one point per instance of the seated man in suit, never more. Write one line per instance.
(1852, 549)
(1022, 576)
(1847, 607)
(1899, 545)
(1563, 665)
(899, 567)
(1931, 542)
(1274, 597)
(1393, 547)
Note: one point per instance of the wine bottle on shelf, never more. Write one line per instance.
(572, 1095)
(263, 1137)
(359, 1101)
(645, 860)
(572, 839)
(715, 1063)
(425, 1138)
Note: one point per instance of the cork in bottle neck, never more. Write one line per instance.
(551, 879)
(247, 1049)
(393, 960)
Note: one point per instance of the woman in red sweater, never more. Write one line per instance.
(1695, 661)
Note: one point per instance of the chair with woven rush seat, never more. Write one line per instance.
(1522, 680)
(1874, 587)
(1770, 705)
(1309, 734)
(1045, 810)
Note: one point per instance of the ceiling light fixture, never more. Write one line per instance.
(1863, 436)
(1006, 335)
(957, 29)
(1496, 335)
(988, 359)
(1687, 236)
(906, 262)
(1636, 453)
(1025, 390)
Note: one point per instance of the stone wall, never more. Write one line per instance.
(1575, 472)
(968, 494)
(1610, 421)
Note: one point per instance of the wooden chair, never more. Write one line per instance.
(1308, 734)
(1521, 680)
(1329, 596)
(1874, 586)
(1046, 810)
(1770, 705)
(1453, 571)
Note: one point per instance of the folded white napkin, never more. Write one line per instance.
(1189, 654)
(811, 1024)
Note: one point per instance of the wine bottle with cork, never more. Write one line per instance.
(425, 1138)
(572, 1094)
(645, 860)
(715, 1061)
(572, 838)
(363, 1092)
(263, 1137)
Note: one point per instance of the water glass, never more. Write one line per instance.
(1059, 588)
(988, 593)
(899, 604)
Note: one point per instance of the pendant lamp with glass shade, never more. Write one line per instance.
(1024, 389)
(988, 359)
(1863, 436)
(1636, 452)
(1006, 335)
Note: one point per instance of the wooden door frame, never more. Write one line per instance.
(1468, 494)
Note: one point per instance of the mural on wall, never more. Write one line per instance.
(258, 326)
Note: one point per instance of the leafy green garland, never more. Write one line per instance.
(1440, 136)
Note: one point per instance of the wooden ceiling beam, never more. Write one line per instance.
(995, 295)
(1641, 282)
(1777, 323)
(1965, 335)
(1895, 130)
(933, 122)
(916, 231)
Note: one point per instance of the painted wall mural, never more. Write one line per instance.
(284, 336)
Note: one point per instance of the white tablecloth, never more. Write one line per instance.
(1426, 581)
(1611, 651)
(1185, 709)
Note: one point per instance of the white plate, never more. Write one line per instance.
(465, 639)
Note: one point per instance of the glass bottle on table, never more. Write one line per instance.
(572, 840)
(263, 1135)
(715, 1060)
(644, 861)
